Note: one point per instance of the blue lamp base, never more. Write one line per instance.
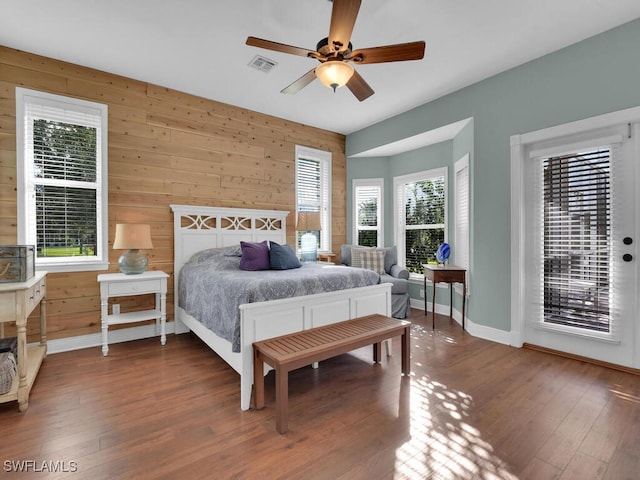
(133, 262)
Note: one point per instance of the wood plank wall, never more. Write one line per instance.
(165, 147)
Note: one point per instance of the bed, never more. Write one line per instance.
(199, 228)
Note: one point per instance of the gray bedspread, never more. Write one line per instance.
(211, 287)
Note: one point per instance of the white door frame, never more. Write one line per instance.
(519, 144)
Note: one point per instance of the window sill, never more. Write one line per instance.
(72, 267)
(577, 332)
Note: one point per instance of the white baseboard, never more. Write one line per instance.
(489, 333)
(147, 331)
(95, 339)
(480, 331)
(440, 309)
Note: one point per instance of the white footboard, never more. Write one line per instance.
(279, 317)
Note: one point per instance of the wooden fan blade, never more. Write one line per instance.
(279, 47)
(389, 53)
(359, 87)
(300, 83)
(343, 18)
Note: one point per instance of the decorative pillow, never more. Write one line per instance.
(255, 256)
(356, 255)
(282, 257)
(373, 259)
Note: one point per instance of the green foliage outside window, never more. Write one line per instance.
(368, 238)
(368, 217)
(424, 221)
(421, 248)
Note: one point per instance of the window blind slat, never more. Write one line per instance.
(368, 202)
(462, 214)
(313, 189)
(576, 230)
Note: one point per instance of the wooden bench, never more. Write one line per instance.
(295, 350)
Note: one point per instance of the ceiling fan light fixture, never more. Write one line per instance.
(334, 73)
(335, 54)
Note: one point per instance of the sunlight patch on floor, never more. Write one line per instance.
(442, 444)
(630, 397)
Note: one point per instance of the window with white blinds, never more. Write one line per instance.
(420, 217)
(461, 240)
(576, 239)
(62, 180)
(313, 191)
(368, 212)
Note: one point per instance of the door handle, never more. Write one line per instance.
(627, 257)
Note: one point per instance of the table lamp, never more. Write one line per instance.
(308, 222)
(132, 237)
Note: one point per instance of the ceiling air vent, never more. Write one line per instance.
(263, 64)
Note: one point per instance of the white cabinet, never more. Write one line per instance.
(17, 301)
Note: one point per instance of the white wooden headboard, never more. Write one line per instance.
(197, 228)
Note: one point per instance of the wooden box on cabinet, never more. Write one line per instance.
(17, 263)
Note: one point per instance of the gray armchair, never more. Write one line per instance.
(394, 274)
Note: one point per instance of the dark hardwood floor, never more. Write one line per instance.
(471, 409)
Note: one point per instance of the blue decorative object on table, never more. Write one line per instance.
(443, 253)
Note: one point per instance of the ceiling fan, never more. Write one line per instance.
(335, 54)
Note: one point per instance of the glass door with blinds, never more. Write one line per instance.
(581, 247)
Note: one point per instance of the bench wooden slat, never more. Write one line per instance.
(298, 349)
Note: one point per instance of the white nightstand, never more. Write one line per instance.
(121, 285)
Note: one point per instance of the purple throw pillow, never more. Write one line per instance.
(255, 256)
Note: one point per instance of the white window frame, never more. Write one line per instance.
(25, 200)
(368, 183)
(325, 159)
(399, 213)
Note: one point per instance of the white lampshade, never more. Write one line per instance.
(334, 73)
(132, 236)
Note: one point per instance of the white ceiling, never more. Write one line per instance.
(198, 46)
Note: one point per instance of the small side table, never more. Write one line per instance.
(326, 257)
(121, 285)
(444, 274)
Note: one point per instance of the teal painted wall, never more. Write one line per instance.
(595, 76)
